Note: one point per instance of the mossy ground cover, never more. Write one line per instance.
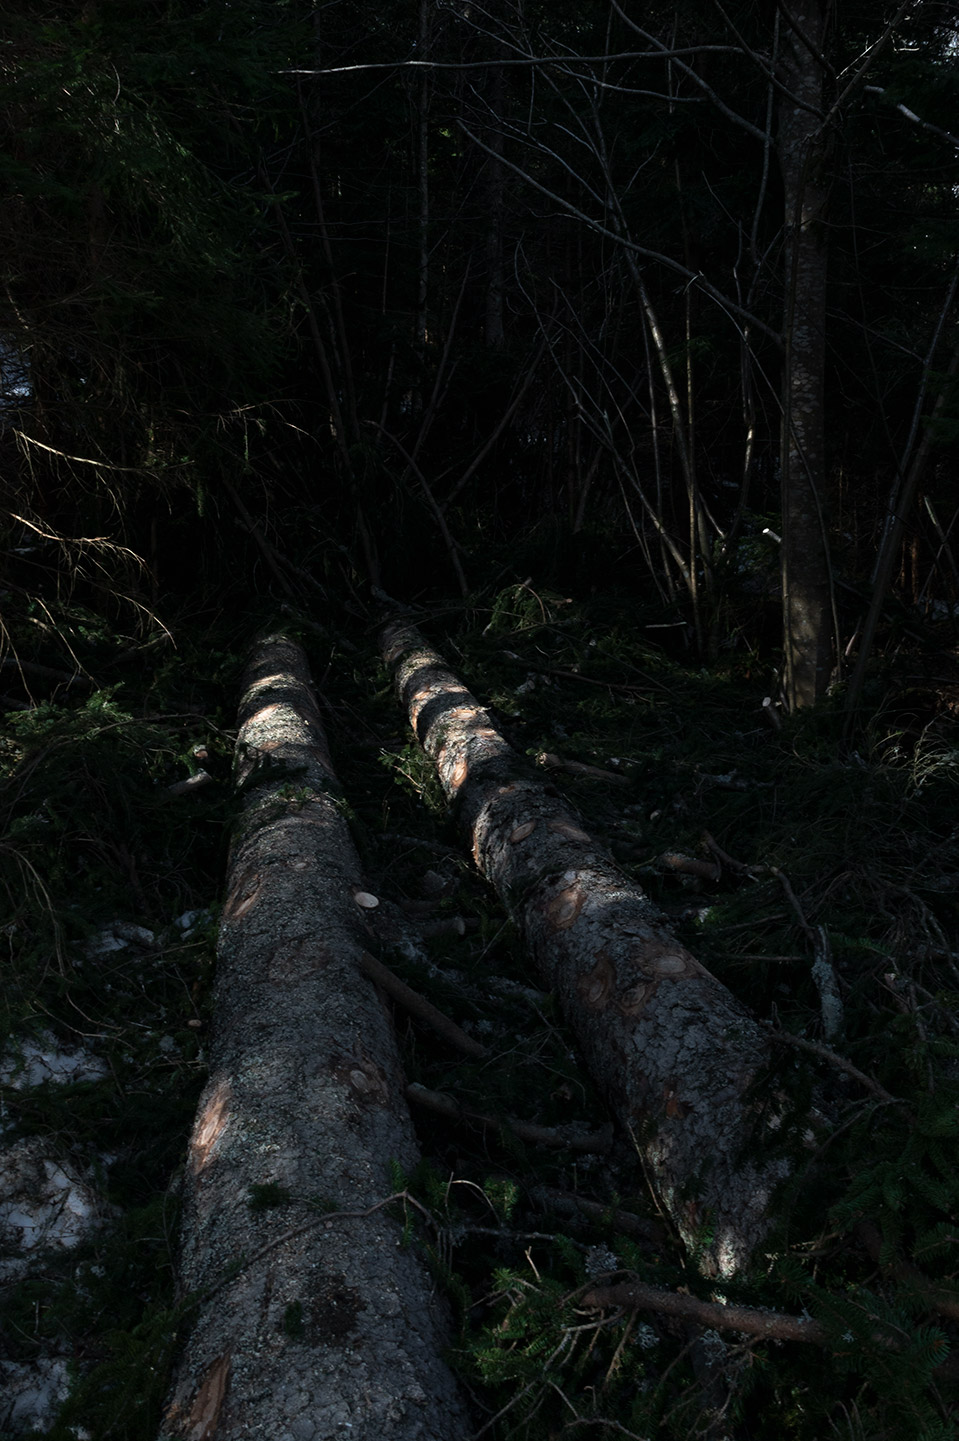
(864, 834)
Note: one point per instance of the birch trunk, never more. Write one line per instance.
(671, 1047)
(305, 1327)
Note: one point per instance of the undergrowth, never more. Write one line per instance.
(683, 760)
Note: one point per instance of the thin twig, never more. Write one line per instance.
(320, 1220)
(834, 1059)
(823, 973)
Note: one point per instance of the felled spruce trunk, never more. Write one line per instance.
(306, 1328)
(671, 1047)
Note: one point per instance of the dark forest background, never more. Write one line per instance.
(429, 294)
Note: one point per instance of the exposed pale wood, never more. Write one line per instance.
(674, 1051)
(305, 1326)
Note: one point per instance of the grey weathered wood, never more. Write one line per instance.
(306, 1328)
(672, 1048)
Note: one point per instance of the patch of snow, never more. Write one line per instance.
(188, 922)
(116, 936)
(103, 943)
(32, 1062)
(31, 1393)
(44, 1203)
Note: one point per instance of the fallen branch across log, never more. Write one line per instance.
(572, 1205)
(674, 1051)
(309, 1330)
(420, 1007)
(559, 1138)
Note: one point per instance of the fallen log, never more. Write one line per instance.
(305, 1325)
(675, 1053)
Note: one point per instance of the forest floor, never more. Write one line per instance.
(768, 844)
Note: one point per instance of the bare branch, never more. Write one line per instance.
(911, 114)
(696, 277)
(526, 61)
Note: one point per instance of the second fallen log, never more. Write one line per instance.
(676, 1054)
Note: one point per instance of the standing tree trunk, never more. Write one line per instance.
(311, 1317)
(671, 1047)
(807, 621)
(494, 330)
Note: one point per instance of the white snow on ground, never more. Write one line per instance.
(30, 1393)
(44, 1202)
(31, 1062)
(117, 936)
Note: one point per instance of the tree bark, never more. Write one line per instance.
(807, 619)
(671, 1047)
(306, 1326)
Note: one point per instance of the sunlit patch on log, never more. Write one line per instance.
(211, 1125)
(242, 897)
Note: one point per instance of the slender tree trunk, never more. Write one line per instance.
(312, 1319)
(807, 617)
(423, 185)
(494, 331)
(673, 1050)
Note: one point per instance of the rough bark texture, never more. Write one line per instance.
(805, 562)
(672, 1048)
(305, 1331)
